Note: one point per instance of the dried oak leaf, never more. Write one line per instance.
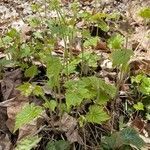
(68, 125)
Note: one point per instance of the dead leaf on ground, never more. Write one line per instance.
(31, 128)
(68, 125)
(24, 33)
(141, 37)
(14, 108)
(3, 118)
(139, 65)
(14, 105)
(138, 124)
(67, 122)
(102, 46)
(10, 81)
(5, 143)
(73, 136)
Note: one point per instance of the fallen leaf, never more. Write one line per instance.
(5, 143)
(68, 125)
(73, 136)
(101, 46)
(10, 81)
(67, 122)
(138, 124)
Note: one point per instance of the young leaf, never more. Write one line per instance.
(51, 104)
(25, 50)
(71, 66)
(13, 33)
(92, 41)
(76, 96)
(26, 89)
(89, 58)
(103, 25)
(7, 40)
(137, 79)
(54, 68)
(121, 57)
(97, 115)
(31, 71)
(148, 116)
(101, 88)
(58, 145)
(102, 97)
(28, 113)
(76, 93)
(145, 13)
(34, 22)
(145, 86)
(35, 7)
(38, 91)
(28, 143)
(38, 34)
(98, 16)
(143, 83)
(116, 41)
(139, 106)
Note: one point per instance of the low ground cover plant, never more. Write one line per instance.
(75, 88)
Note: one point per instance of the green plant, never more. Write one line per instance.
(28, 113)
(85, 96)
(142, 83)
(28, 143)
(145, 13)
(141, 86)
(120, 57)
(86, 61)
(57, 145)
(88, 88)
(27, 89)
(96, 114)
(119, 140)
(139, 106)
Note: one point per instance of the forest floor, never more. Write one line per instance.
(74, 75)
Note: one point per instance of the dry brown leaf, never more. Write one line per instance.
(24, 31)
(138, 124)
(139, 65)
(28, 129)
(5, 143)
(73, 136)
(101, 46)
(68, 125)
(31, 128)
(10, 81)
(14, 108)
(67, 122)
(3, 118)
(141, 37)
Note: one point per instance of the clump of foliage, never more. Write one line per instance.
(85, 90)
